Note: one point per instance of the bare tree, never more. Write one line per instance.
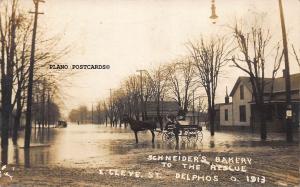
(16, 30)
(79, 114)
(251, 58)
(208, 58)
(201, 109)
(118, 106)
(148, 92)
(276, 66)
(20, 72)
(296, 55)
(8, 27)
(99, 112)
(160, 81)
(105, 108)
(132, 90)
(182, 83)
(50, 80)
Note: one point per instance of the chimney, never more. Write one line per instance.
(226, 97)
(283, 73)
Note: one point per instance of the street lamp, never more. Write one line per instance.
(213, 16)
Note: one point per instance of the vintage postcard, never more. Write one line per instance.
(150, 93)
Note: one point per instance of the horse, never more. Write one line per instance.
(137, 126)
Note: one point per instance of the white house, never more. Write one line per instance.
(240, 113)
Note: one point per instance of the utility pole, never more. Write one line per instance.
(48, 109)
(99, 112)
(110, 109)
(92, 113)
(43, 102)
(142, 96)
(30, 80)
(289, 113)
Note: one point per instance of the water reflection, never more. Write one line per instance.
(41, 135)
(27, 158)
(4, 155)
(212, 144)
(79, 146)
(16, 155)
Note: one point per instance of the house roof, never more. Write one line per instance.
(278, 86)
(244, 80)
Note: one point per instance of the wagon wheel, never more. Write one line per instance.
(168, 136)
(200, 136)
(192, 136)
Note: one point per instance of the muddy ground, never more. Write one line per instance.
(278, 164)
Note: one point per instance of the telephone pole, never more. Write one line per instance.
(92, 113)
(110, 108)
(289, 113)
(48, 109)
(31, 68)
(43, 102)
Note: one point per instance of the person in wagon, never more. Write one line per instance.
(173, 124)
(170, 121)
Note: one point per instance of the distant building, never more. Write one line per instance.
(196, 118)
(166, 107)
(172, 108)
(241, 113)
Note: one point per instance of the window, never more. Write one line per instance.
(242, 113)
(242, 92)
(226, 114)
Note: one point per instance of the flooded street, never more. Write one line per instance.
(73, 156)
(96, 145)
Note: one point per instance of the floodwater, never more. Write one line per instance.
(94, 145)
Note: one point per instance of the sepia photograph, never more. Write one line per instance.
(150, 93)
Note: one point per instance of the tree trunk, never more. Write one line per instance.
(212, 121)
(186, 102)
(6, 87)
(6, 112)
(4, 131)
(211, 113)
(17, 122)
(263, 126)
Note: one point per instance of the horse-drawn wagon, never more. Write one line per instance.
(190, 133)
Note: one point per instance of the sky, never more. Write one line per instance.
(141, 34)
